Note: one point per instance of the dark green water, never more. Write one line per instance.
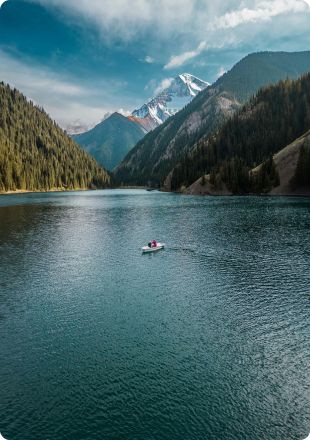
(208, 339)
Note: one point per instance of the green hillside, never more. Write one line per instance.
(156, 154)
(35, 154)
(273, 119)
(110, 141)
(258, 69)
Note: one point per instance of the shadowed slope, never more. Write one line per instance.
(109, 141)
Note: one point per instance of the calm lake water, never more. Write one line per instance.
(208, 339)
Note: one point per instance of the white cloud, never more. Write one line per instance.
(124, 112)
(164, 84)
(147, 59)
(221, 72)
(263, 11)
(1, 2)
(156, 88)
(120, 110)
(106, 116)
(151, 60)
(178, 60)
(77, 127)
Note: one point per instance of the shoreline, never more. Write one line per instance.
(26, 191)
(183, 193)
(20, 191)
(134, 187)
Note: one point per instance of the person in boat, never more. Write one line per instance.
(154, 244)
(149, 244)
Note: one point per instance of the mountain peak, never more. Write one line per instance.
(189, 76)
(172, 99)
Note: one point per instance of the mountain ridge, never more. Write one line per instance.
(151, 160)
(276, 116)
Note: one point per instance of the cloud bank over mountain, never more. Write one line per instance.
(95, 57)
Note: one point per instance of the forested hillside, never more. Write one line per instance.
(155, 155)
(258, 69)
(35, 154)
(273, 119)
(109, 141)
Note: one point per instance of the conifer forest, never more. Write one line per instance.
(36, 154)
(270, 121)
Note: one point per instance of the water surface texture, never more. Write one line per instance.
(207, 339)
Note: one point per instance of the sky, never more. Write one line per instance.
(83, 60)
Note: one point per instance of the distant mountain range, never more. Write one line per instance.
(154, 156)
(110, 141)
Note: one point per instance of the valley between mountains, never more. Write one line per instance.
(248, 133)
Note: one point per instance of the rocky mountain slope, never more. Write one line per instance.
(109, 141)
(171, 100)
(151, 160)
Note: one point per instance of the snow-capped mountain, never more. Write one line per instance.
(180, 92)
(110, 140)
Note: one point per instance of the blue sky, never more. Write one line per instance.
(83, 59)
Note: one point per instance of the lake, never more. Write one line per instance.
(208, 339)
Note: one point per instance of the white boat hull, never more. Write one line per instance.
(153, 249)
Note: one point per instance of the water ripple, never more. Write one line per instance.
(208, 339)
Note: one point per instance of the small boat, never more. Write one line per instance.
(153, 249)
